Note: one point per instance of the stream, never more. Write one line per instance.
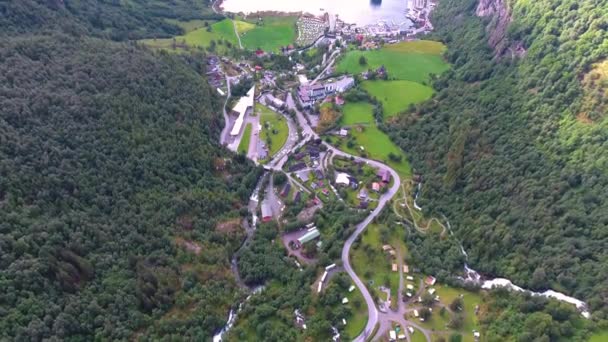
(473, 276)
(253, 204)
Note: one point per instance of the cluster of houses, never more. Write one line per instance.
(285, 192)
(215, 75)
(344, 179)
(309, 94)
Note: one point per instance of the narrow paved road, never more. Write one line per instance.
(371, 305)
(226, 130)
(332, 59)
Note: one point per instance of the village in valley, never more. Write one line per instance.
(309, 110)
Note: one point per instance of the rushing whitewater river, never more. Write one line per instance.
(360, 12)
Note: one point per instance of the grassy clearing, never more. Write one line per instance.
(376, 144)
(447, 294)
(270, 34)
(374, 264)
(200, 37)
(245, 140)
(357, 113)
(243, 26)
(397, 96)
(418, 46)
(417, 336)
(403, 62)
(274, 129)
(357, 321)
(190, 25)
(601, 336)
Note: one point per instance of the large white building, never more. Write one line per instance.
(245, 103)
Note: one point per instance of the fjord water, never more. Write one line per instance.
(361, 12)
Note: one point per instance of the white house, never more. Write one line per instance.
(342, 179)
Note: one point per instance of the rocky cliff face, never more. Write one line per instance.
(497, 28)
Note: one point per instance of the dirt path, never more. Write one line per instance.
(236, 32)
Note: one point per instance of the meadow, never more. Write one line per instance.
(357, 321)
(410, 61)
(376, 144)
(245, 140)
(198, 36)
(374, 266)
(357, 113)
(270, 34)
(397, 96)
(274, 129)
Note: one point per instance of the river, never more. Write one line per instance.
(360, 12)
(473, 276)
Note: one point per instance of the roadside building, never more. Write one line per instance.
(385, 176)
(266, 212)
(244, 105)
(280, 104)
(304, 176)
(309, 236)
(376, 186)
(342, 179)
(430, 280)
(395, 267)
(363, 194)
(286, 190)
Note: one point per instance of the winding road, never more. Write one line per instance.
(373, 314)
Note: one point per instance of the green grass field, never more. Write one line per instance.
(357, 113)
(418, 46)
(376, 265)
(221, 30)
(403, 61)
(274, 126)
(271, 35)
(377, 145)
(601, 336)
(357, 321)
(190, 25)
(244, 144)
(417, 336)
(397, 96)
(447, 294)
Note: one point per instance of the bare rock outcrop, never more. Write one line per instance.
(498, 10)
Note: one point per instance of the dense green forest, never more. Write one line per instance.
(117, 20)
(111, 180)
(513, 145)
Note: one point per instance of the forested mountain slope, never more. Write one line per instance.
(513, 147)
(117, 20)
(109, 167)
